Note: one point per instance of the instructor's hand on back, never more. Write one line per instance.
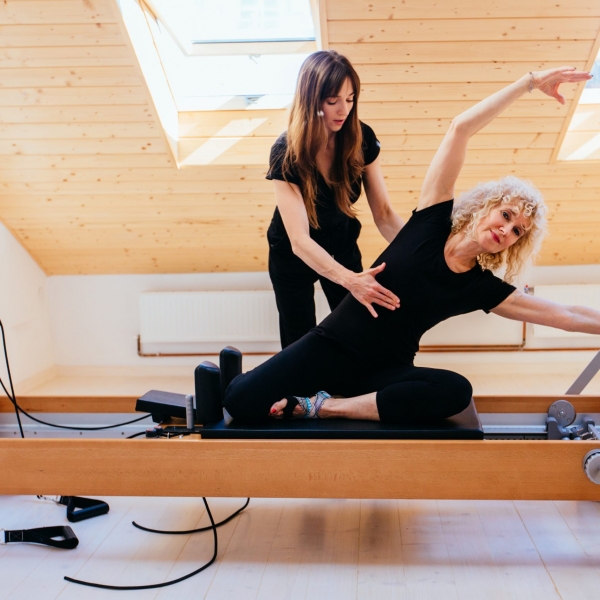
(364, 287)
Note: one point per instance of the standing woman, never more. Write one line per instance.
(317, 168)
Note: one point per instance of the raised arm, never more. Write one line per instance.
(363, 286)
(447, 163)
(523, 307)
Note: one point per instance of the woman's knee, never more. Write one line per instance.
(431, 394)
(459, 393)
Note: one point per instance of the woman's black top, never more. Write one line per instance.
(429, 291)
(337, 231)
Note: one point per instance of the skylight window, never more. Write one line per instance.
(253, 21)
(582, 141)
(238, 57)
(232, 54)
(238, 26)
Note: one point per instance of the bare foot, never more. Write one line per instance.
(277, 409)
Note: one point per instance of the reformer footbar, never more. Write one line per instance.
(210, 383)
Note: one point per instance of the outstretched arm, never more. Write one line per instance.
(523, 307)
(445, 167)
(363, 286)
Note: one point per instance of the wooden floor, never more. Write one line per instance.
(334, 549)
(489, 372)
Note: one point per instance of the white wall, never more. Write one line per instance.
(93, 321)
(95, 318)
(23, 311)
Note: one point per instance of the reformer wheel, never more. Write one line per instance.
(563, 412)
(591, 466)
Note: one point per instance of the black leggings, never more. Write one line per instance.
(316, 363)
(293, 282)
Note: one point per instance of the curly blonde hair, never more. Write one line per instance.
(477, 203)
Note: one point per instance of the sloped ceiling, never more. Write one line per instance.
(88, 184)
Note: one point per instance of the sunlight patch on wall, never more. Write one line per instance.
(221, 142)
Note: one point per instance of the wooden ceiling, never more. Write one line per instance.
(88, 184)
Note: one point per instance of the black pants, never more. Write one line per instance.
(293, 283)
(315, 363)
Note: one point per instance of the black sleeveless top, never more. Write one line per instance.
(337, 231)
(429, 291)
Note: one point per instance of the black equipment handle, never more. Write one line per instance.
(87, 508)
(45, 536)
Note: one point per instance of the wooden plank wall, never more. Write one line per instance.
(87, 184)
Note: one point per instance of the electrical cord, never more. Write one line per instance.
(12, 397)
(81, 428)
(213, 526)
(164, 583)
(201, 529)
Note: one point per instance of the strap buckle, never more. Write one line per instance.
(55, 499)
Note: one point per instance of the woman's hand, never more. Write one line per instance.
(548, 81)
(364, 287)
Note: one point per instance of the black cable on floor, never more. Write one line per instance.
(12, 397)
(165, 583)
(199, 530)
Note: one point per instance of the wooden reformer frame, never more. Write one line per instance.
(442, 469)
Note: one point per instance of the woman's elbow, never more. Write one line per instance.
(298, 244)
(459, 127)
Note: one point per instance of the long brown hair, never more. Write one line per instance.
(322, 75)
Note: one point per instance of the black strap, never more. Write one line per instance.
(45, 536)
(88, 508)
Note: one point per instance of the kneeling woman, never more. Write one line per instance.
(440, 264)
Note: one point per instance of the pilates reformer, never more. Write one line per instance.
(510, 447)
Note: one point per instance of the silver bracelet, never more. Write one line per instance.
(531, 82)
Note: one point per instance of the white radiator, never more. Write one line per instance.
(579, 294)
(205, 322)
(475, 329)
